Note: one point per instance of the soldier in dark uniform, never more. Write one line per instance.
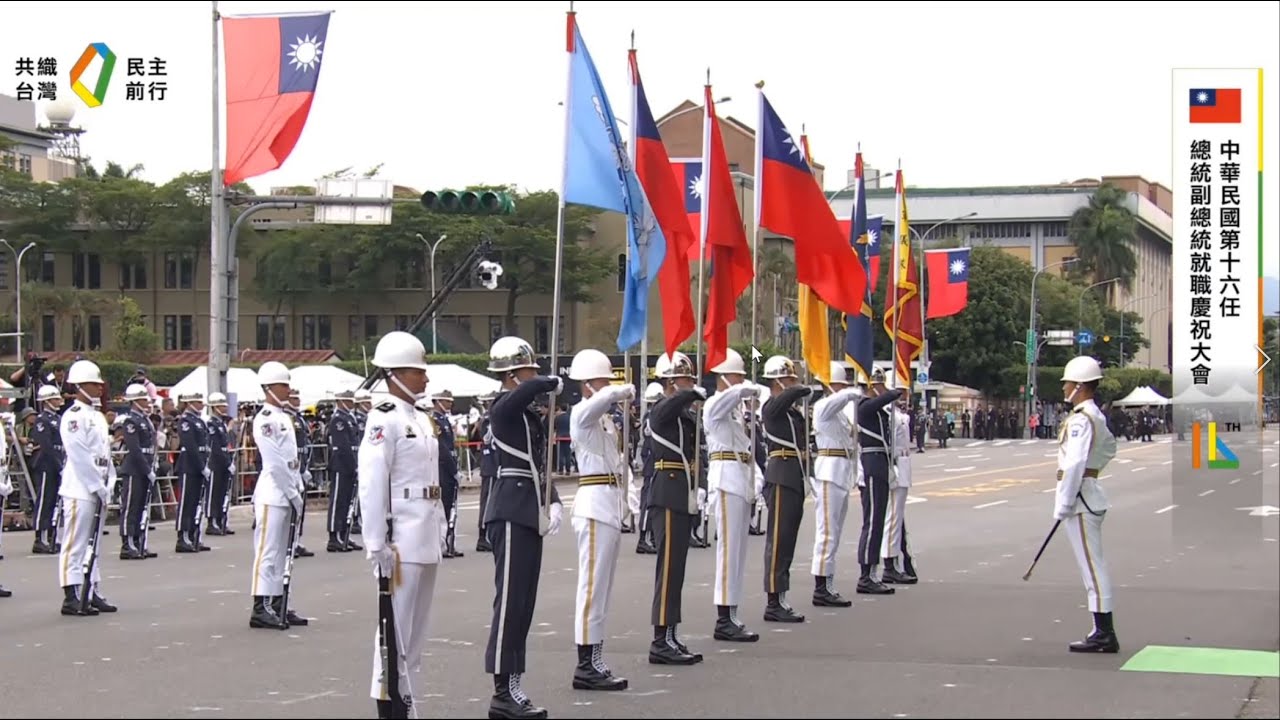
(644, 545)
(442, 404)
(136, 474)
(193, 471)
(786, 479)
(518, 515)
(344, 443)
(221, 465)
(488, 470)
(47, 459)
(752, 417)
(673, 501)
(875, 432)
(364, 403)
(303, 438)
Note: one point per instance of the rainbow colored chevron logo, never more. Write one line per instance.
(1217, 447)
(99, 93)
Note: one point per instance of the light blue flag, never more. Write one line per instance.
(599, 174)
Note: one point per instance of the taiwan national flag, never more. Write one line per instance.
(272, 67)
(688, 173)
(948, 282)
(1219, 105)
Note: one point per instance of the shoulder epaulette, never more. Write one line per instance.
(265, 410)
(75, 408)
(386, 406)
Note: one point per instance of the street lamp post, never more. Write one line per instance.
(17, 274)
(433, 247)
(1080, 308)
(1122, 307)
(1031, 333)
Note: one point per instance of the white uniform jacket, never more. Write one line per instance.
(86, 440)
(834, 433)
(1085, 446)
(603, 476)
(901, 448)
(280, 479)
(399, 469)
(729, 453)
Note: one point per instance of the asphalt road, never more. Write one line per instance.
(971, 640)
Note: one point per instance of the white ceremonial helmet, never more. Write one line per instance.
(217, 400)
(399, 349)
(48, 392)
(273, 373)
(679, 365)
(779, 366)
(84, 371)
(511, 353)
(653, 392)
(1082, 369)
(731, 365)
(591, 365)
(135, 392)
(840, 373)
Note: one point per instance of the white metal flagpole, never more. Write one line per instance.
(217, 236)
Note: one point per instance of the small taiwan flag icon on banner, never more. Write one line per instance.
(1215, 105)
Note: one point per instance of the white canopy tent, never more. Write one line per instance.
(1141, 396)
(241, 382)
(321, 382)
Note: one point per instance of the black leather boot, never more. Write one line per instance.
(290, 617)
(645, 545)
(891, 575)
(1103, 638)
(509, 700)
(779, 610)
(264, 615)
(450, 551)
(908, 567)
(335, 545)
(664, 651)
(129, 550)
(185, 545)
(589, 675)
(99, 603)
(729, 629)
(352, 547)
(384, 709)
(71, 603)
(868, 585)
(825, 596)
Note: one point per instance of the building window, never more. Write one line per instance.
(325, 273)
(317, 333)
(24, 164)
(179, 271)
(4, 272)
(170, 332)
(496, 328)
(308, 332)
(409, 275)
(47, 265)
(270, 335)
(86, 271)
(541, 334)
(48, 333)
(1055, 229)
(179, 332)
(622, 272)
(370, 326)
(95, 332)
(562, 340)
(403, 322)
(133, 275)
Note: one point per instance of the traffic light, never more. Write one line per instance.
(467, 202)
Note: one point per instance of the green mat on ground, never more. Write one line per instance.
(1205, 661)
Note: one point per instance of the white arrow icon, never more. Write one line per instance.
(1265, 362)
(1262, 510)
(755, 354)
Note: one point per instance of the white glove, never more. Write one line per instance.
(151, 476)
(306, 477)
(103, 495)
(295, 499)
(6, 485)
(384, 559)
(231, 470)
(554, 526)
(702, 392)
(759, 481)
(208, 474)
(1061, 513)
(702, 499)
(748, 385)
(629, 392)
(559, 385)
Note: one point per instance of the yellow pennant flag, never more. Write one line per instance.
(815, 340)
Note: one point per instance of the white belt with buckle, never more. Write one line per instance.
(428, 492)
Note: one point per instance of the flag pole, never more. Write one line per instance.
(626, 353)
(900, 188)
(215, 381)
(755, 236)
(703, 245)
(552, 369)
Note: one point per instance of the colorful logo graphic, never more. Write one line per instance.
(1228, 460)
(99, 93)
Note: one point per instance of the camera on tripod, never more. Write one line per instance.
(488, 273)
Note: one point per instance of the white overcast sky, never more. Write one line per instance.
(449, 94)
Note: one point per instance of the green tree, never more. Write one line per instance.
(287, 269)
(1271, 344)
(1103, 232)
(134, 341)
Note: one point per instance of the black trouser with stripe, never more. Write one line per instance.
(671, 538)
(341, 492)
(485, 482)
(48, 479)
(133, 503)
(216, 509)
(189, 504)
(517, 562)
(448, 498)
(786, 510)
(875, 503)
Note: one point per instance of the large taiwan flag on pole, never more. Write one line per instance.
(272, 67)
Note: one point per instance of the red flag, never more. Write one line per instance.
(731, 263)
(948, 281)
(792, 204)
(272, 66)
(653, 167)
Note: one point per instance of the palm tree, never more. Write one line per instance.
(1103, 232)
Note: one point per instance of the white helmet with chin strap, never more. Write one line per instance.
(84, 371)
(273, 373)
(731, 365)
(398, 349)
(1082, 369)
(135, 393)
(674, 366)
(779, 366)
(590, 365)
(840, 373)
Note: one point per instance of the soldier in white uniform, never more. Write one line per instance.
(6, 487)
(277, 500)
(895, 529)
(834, 472)
(87, 483)
(597, 511)
(404, 518)
(733, 481)
(1085, 446)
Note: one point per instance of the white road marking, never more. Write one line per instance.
(1000, 443)
(1167, 462)
(1233, 482)
(1028, 442)
(1124, 461)
(960, 469)
(1138, 469)
(935, 465)
(975, 444)
(1164, 510)
(1048, 490)
(1206, 493)
(970, 457)
(911, 499)
(990, 504)
(1104, 477)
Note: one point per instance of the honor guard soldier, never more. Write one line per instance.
(344, 442)
(874, 436)
(731, 483)
(515, 519)
(786, 479)
(277, 502)
(400, 501)
(488, 471)
(87, 484)
(644, 544)
(597, 511)
(673, 501)
(138, 472)
(47, 460)
(364, 403)
(895, 526)
(221, 465)
(442, 404)
(193, 470)
(303, 439)
(1085, 446)
(834, 473)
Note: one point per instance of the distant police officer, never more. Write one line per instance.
(597, 511)
(364, 403)
(673, 501)
(221, 465)
(277, 500)
(1085, 446)
(441, 406)
(644, 544)
(139, 457)
(344, 442)
(47, 460)
(488, 470)
(731, 484)
(834, 472)
(786, 482)
(87, 484)
(303, 439)
(193, 470)
(875, 434)
(517, 517)
(404, 520)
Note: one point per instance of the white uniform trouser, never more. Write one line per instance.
(1085, 533)
(633, 497)
(411, 603)
(891, 546)
(733, 519)
(77, 530)
(598, 545)
(830, 505)
(270, 549)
